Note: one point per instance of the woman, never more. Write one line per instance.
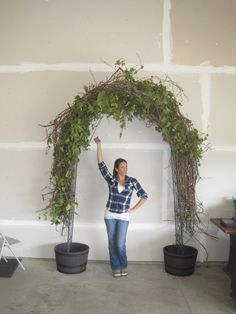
(118, 208)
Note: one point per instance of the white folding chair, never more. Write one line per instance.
(7, 242)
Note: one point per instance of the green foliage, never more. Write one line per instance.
(234, 202)
(122, 97)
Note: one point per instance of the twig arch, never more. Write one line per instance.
(123, 96)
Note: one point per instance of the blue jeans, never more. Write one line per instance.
(117, 231)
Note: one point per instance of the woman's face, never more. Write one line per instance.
(122, 169)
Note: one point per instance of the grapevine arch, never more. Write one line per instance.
(123, 96)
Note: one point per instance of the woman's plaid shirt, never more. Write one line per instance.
(120, 202)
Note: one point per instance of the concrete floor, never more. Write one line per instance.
(147, 289)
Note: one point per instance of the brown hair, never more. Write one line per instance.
(116, 165)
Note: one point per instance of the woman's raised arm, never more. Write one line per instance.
(99, 149)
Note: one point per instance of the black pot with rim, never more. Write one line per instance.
(74, 261)
(180, 260)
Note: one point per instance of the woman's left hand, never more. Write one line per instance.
(136, 206)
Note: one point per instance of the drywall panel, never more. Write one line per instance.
(80, 31)
(143, 244)
(24, 175)
(38, 97)
(202, 32)
(136, 131)
(190, 98)
(30, 99)
(217, 185)
(222, 126)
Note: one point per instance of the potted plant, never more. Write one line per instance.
(187, 148)
(123, 96)
(179, 258)
(71, 257)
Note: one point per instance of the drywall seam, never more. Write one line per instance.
(166, 33)
(205, 87)
(224, 148)
(22, 146)
(97, 67)
(25, 146)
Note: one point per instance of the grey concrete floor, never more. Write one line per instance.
(40, 289)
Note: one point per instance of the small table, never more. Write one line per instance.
(231, 266)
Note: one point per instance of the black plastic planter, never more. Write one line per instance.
(180, 260)
(74, 261)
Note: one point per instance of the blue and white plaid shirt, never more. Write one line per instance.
(120, 202)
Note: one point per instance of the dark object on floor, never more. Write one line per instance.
(180, 260)
(228, 222)
(8, 269)
(74, 261)
(7, 242)
(233, 286)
